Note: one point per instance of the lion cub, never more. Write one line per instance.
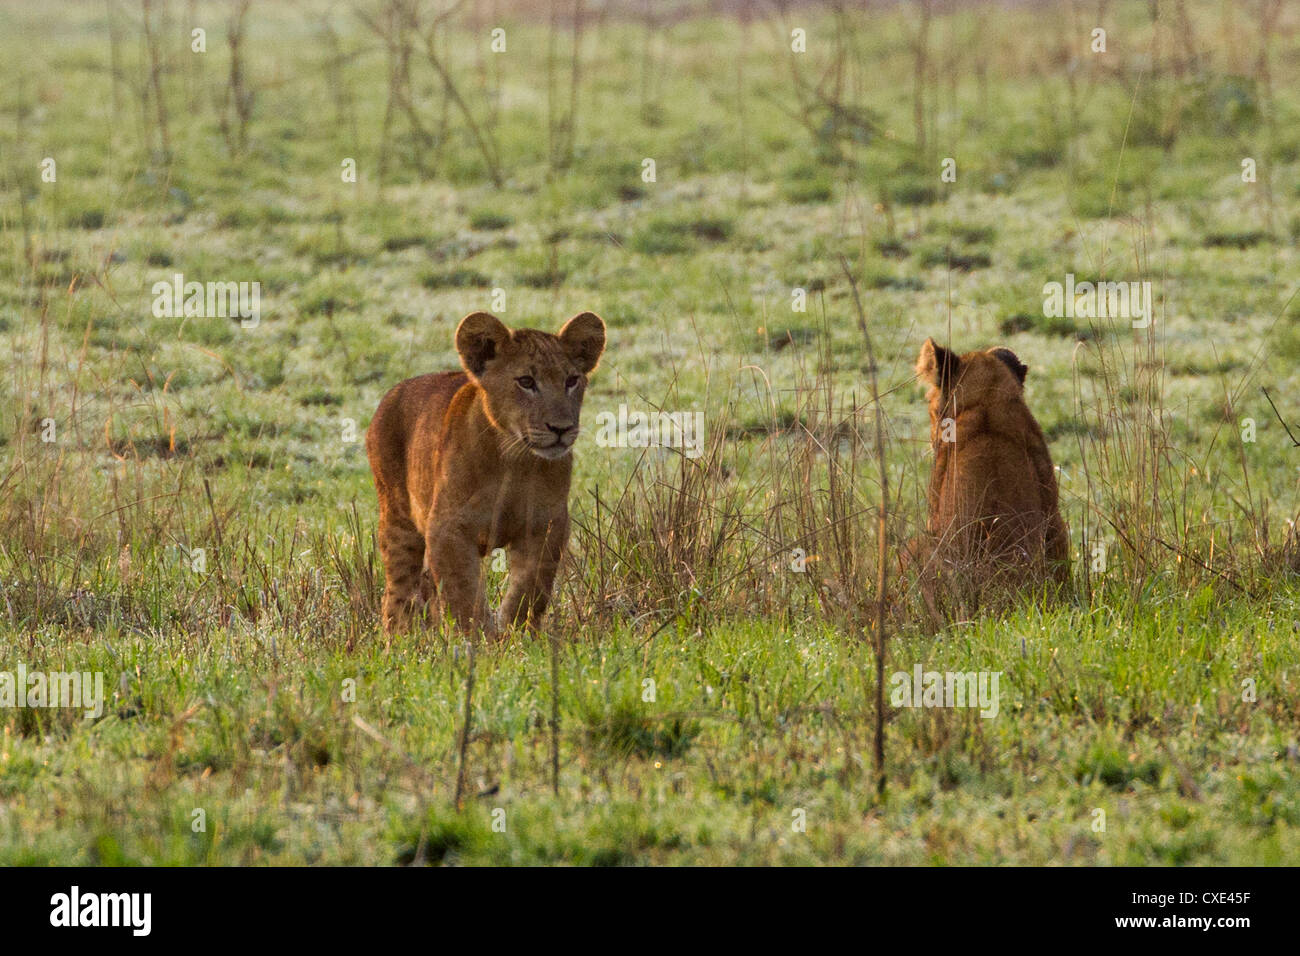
(993, 495)
(466, 462)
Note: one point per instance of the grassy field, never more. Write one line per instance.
(186, 508)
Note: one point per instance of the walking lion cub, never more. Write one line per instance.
(467, 462)
(994, 516)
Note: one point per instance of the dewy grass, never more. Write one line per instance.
(185, 505)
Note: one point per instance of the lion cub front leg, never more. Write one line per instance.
(534, 560)
(456, 569)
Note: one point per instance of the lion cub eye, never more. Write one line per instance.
(527, 383)
(572, 381)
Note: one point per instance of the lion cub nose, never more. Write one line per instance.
(560, 430)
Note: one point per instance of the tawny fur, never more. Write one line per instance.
(467, 462)
(993, 495)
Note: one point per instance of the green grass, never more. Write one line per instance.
(259, 689)
(750, 723)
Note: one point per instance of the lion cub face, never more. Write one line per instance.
(533, 382)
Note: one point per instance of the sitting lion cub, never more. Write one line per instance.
(466, 462)
(993, 495)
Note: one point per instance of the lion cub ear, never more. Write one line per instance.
(480, 337)
(1009, 358)
(583, 337)
(937, 365)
